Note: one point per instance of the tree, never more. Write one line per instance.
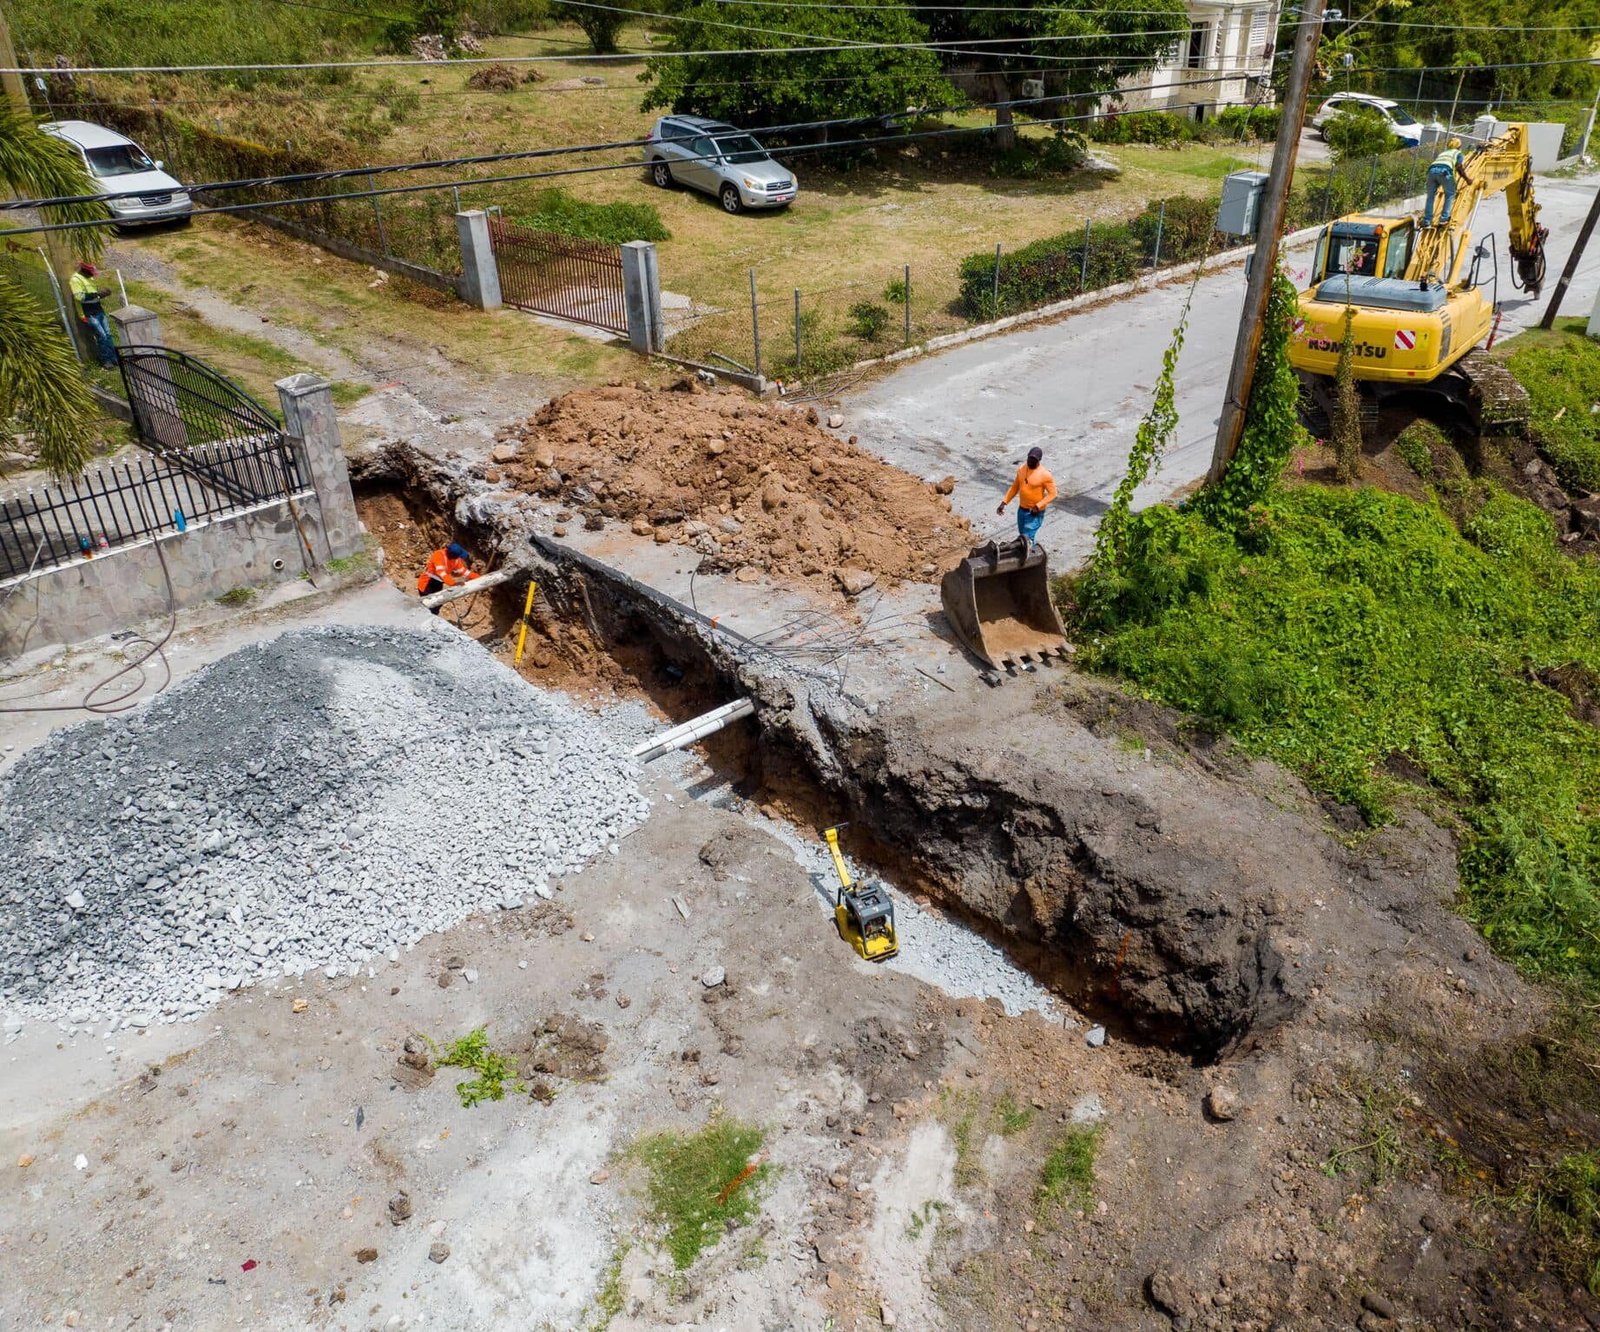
(46, 409)
(1357, 134)
(757, 90)
(1470, 53)
(600, 26)
(1020, 41)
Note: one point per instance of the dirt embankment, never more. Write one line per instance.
(752, 486)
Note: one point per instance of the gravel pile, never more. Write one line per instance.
(309, 803)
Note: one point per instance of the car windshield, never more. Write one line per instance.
(1401, 116)
(124, 159)
(741, 150)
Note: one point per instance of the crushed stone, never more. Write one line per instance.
(310, 803)
(751, 486)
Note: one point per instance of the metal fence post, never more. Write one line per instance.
(755, 322)
(377, 216)
(797, 331)
(997, 279)
(61, 306)
(1161, 222)
(1083, 273)
(908, 304)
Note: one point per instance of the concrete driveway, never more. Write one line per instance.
(1078, 387)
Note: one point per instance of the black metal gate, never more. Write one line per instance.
(557, 275)
(180, 404)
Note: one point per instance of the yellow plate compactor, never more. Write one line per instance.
(863, 912)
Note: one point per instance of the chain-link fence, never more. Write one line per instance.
(803, 333)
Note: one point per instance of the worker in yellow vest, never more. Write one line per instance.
(1442, 173)
(92, 311)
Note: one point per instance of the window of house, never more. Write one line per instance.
(1258, 32)
(1200, 43)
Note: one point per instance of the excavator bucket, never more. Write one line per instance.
(998, 602)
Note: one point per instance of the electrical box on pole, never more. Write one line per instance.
(1240, 209)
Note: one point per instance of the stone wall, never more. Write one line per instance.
(128, 586)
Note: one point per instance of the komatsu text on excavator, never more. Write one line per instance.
(1422, 298)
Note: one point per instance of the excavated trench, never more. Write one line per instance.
(1073, 881)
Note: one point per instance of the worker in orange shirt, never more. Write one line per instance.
(446, 567)
(1033, 490)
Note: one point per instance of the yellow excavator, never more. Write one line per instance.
(1423, 298)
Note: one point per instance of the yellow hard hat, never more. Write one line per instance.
(1455, 143)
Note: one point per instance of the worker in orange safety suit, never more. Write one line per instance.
(446, 567)
(1033, 490)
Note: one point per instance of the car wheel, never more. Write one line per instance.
(731, 202)
(661, 173)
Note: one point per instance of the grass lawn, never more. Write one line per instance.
(331, 311)
(848, 232)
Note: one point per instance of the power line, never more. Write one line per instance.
(477, 181)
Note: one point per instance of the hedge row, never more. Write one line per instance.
(1234, 124)
(1054, 268)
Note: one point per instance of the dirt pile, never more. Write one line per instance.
(752, 486)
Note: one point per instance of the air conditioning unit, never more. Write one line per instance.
(1033, 87)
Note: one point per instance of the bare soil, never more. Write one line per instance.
(751, 485)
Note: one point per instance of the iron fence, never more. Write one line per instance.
(121, 503)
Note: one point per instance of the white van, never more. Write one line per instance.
(141, 191)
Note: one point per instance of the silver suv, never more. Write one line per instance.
(719, 160)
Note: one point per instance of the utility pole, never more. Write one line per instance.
(1269, 225)
(1572, 263)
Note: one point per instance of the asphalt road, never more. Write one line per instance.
(1078, 387)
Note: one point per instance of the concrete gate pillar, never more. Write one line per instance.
(641, 293)
(480, 275)
(154, 402)
(309, 419)
(137, 327)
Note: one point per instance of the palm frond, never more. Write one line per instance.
(34, 165)
(42, 388)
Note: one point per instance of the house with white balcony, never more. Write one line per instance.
(1223, 60)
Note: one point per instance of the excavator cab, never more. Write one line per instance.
(997, 601)
(862, 912)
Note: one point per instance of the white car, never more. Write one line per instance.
(1407, 128)
(141, 192)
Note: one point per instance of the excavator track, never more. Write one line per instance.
(1497, 403)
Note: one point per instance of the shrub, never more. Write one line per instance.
(1415, 445)
(1246, 122)
(1187, 226)
(1048, 270)
(1358, 134)
(614, 223)
(1164, 128)
(896, 292)
(868, 320)
(1058, 155)
(1561, 371)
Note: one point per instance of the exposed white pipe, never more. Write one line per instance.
(696, 728)
(436, 599)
